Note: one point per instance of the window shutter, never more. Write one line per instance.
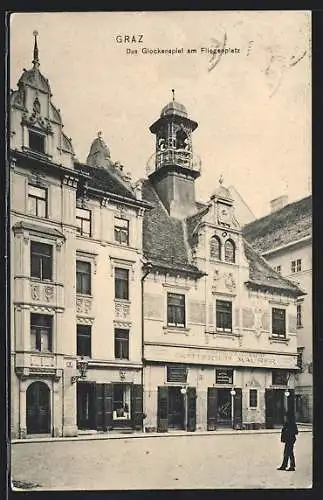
(191, 409)
(238, 409)
(269, 402)
(162, 409)
(212, 395)
(107, 406)
(136, 406)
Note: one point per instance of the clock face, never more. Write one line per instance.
(224, 214)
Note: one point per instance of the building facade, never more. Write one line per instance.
(284, 238)
(131, 304)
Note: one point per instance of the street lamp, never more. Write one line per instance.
(184, 393)
(233, 393)
(82, 366)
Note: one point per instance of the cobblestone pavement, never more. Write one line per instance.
(212, 461)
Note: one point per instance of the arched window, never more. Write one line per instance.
(215, 248)
(229, 251)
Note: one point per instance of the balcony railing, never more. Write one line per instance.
(179, 157)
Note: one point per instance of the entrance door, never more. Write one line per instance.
(86, 405)
(275, 408)
(175, 408)
(224, 408)
(38, 408)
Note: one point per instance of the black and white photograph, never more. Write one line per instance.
(160, 250)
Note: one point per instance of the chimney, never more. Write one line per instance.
(278, 203)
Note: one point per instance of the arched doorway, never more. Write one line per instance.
(38, 408)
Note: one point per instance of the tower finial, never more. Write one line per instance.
(221, 179)
(173, 92)
(100, 134)
(36, 58)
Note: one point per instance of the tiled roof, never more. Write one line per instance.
(106, 179)
(164, 236)
(262, 275)
(192, 223)
(290, 223)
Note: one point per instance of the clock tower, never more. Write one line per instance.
(173, 167)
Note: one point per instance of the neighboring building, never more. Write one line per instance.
(76, 250)
(117, 286)
(284, 238)
(220, 343)
(242, 211)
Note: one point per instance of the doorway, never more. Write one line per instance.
(224, 408)
(86, 405)
(38, 408)
(176, 413)
(275, 407)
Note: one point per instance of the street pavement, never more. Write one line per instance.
(212, 461)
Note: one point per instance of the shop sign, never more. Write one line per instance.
(176, 373)
(224, 376)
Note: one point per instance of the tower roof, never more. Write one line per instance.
(222, 192)
(174, 108)
(33, 77)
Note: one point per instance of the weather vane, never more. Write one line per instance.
(173, 92)
(221, 179)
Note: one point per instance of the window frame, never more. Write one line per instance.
(299, 315)
(278, 334)
(80, 342)
(219, 313)
(121, 291)
(39, 136)
(233, 249)
(41, 257)
(38, 199)
(83, 220)
(254, 391)
(181, 308)
(277, 373)
(121, 352)
(39, 329)
(81, 274)
(219, 248)
(119, 230)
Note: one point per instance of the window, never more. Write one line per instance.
(253, 398)
(296, 265)
(41, 260)
(278, 269)
(224, 315)
(121, 401)
(175, 309)
(279, 377)
(177, 373)
(83, 277)
(83, 221)
(121, 283)
(215, 248)
(224, 376)
(299, 315)
(36, 142)
(121, 344)
(41, 332)
(229, 251)
(121, 231)
(300, 357)
(279, 322)
(83, 334)
(37, 201)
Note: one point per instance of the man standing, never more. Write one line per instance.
(288, 436)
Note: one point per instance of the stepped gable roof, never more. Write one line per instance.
(291, 223)
(106, 179)
(262, 275)
(164, 240)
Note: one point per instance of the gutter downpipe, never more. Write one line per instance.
(147, 268)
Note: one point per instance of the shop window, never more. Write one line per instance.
(41, 332)
(224, 376)
(121, 283)
(215, 248)
(175, 309)
(83, 221)
(278, 322)
(229, 251)
(177, 373)
(224, 315)
(279, 377)
(41, 260)
(121, 402)
(83, 333)
(121, 343)
(296, 265)
(253, 398)
(121, 231)
(36, 142)
(83, 277)
(37, 201)
(299, 318)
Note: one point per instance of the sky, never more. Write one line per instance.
(253, 105)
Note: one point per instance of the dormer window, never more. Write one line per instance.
(36, 142)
